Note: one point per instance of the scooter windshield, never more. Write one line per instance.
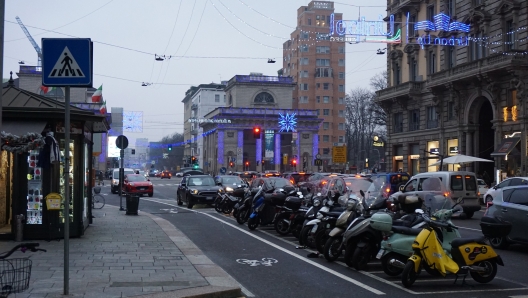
(435, 195)
(376, 191)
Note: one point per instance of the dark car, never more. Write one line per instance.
(231, 185)
(355, 184)
(192, 172)
(197, 189)
(166, 174)
(394, 179)
(138, 184)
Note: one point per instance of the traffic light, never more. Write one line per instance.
(195, 167)
(169, 147)
(256, 132)
(193, 159)
(294, 162)
(231, 164)
(247, 163)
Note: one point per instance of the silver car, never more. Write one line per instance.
(510, 204)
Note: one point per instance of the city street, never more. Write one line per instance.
(277, 269)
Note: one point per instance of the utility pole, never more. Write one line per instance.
(2, 14)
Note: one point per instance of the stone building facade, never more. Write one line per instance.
(457, 85)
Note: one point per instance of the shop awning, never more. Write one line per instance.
(506, 146)
(20, 128)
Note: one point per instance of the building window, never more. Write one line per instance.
(217, 97)
(304, 48)
(451, 57)
(326, 112)
(450, 7)
(431, 62)
(264, 97)
(323, 72)
(430, 13)
(322, 50)
(509, 36)
(412, 20)
(341, 88)
(414, 120)
(341, 50)
(318, 99)
(318, 112)
(398, 122)
(432, 117)
(341, 62)
(303, 87)
(309, 22)
(413, 69)
(303, 74)
(230, 99)
(317, 85)
(326, 125)
(341, 113)
(224, 98)
(304, 61)
(326, 150)
(326, 138)
(322, 62)
(341, 101)
(305, 35)
(326, 86)
(303, 99)
(326, 99)
(341, 126)
(477, 47)
(341, 76)
(451, 110)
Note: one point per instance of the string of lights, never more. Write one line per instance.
(271, 19)
(251, 26)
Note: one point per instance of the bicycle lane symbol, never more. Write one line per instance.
(253, 263)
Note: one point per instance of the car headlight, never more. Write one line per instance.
(229, 189)
(194, 191)
(115, 182)
(221, 190)
(150, 183)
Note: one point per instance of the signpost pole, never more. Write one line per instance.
(66, 173)
(121, 178)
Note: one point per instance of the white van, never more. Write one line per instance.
(460, 184)
(114, 187)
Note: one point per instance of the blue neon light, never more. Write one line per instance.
(220, 147)
(287, 122)
(277, 154)
(442, 22)
(361, 27)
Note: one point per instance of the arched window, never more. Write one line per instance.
(55, 93)
(264, 97)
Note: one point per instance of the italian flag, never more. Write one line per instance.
(102, 109)
(46, 89)
(98, 95)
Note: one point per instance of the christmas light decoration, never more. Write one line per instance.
(21, 144)
(132, 121)
(287, 122)
(442, 22)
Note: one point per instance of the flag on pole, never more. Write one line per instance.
(46, 89)
(102, 109)
(98, 95)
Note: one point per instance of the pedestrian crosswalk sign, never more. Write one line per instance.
(67, 62)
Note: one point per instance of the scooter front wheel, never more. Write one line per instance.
(253, 222)
(306, 238)
(218, 204)
(489, 275)
(331, 248)
(408, 274)
(282, 224)
(361, 256)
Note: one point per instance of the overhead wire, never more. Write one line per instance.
(266, 16)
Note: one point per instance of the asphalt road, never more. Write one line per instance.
(269, 265)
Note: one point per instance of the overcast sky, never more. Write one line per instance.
(128, 33)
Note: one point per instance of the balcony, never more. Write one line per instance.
(402, 90)
(194, 106)
(470, 70)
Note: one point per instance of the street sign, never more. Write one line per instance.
(318, 162)
(122, 142)
(223, 170)
(318, 156)
(67, 62)
(339, 154)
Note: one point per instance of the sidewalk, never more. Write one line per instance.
(123, 256)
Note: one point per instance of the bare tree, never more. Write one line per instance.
(175, 156)
(379, 82)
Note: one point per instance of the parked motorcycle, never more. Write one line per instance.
(467, 255)
(287, 213)
(243, 210)
(264, 206)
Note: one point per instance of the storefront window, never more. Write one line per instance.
(432, 148)
(34, 196)
(452, 149)
(6, 174)
(66, 174)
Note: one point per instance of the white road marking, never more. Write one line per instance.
(463, 228)
(315, 264)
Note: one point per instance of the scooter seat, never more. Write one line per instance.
(406, 230)
(461, 241)
(331, 214)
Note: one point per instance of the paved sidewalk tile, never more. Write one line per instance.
(125, 256)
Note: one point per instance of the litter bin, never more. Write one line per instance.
(132, 204)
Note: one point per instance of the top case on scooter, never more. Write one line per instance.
(381, 222)
(293, 203)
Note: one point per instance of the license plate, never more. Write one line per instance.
(209, 198)
(314, 229)
(380, 254)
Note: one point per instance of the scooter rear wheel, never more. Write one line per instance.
(218, 204)
(320, 239)
(388, 268)
(306, 238)
(361, 256)
(483, 278)
(282, 225)
(408, 274)
(227, 208)
(253, 223)
(241, 216)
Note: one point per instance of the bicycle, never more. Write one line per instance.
(16, 272)
(98, 201)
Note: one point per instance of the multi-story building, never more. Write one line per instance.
(317, 66)
(457, 85)
(198, 102)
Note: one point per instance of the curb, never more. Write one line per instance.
(221, 284)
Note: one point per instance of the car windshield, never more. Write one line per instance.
(232, 180)
(136, 178)
(116, 173)
(355, 185)
(279, 182)
(200, 181)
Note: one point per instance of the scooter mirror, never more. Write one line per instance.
(362, 193)
(419, 211)
(460, 201)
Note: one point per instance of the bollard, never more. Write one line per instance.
(19, 228)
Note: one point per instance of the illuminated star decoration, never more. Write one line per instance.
(132, 121)
(287, 122)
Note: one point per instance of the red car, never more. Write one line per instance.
(166, 174)
(138, 184)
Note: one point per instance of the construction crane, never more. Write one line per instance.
(35, 45)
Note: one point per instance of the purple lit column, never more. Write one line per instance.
(259, 149)
(315, 147)
(277, 151)
(240, 144)
(220, 147)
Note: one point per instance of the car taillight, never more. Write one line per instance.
(388, 190)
